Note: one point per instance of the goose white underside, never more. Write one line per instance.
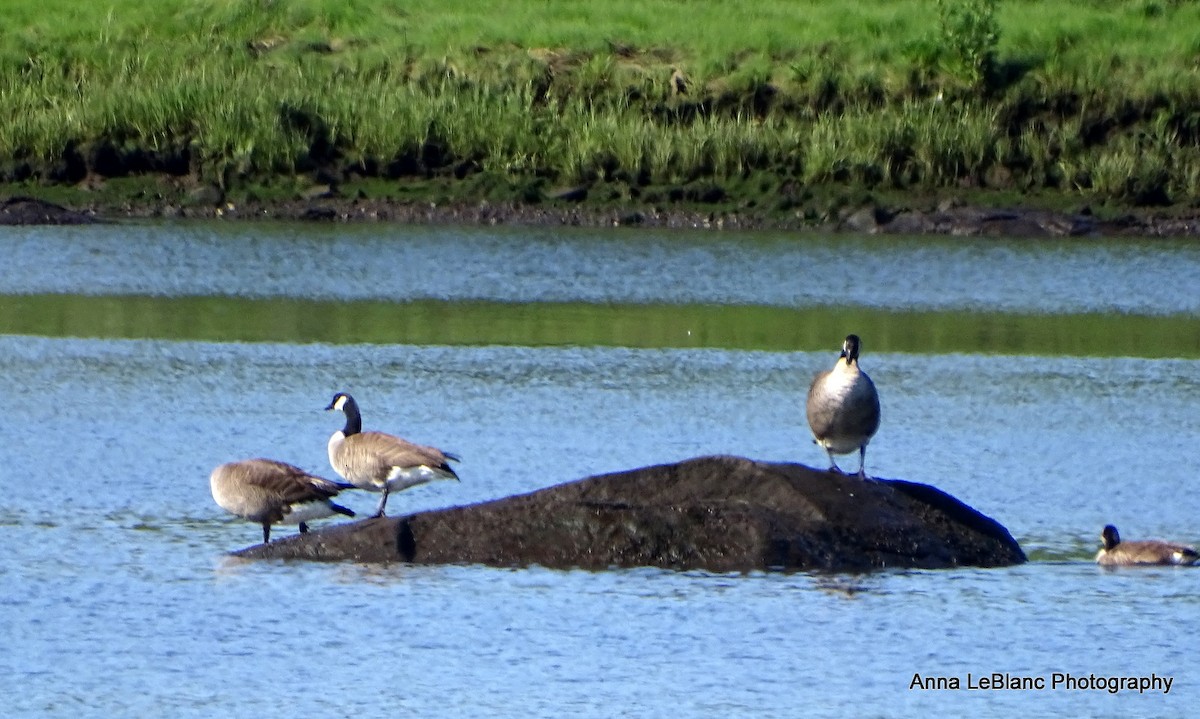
(842, 445)
(308, 511)
(1181, 558)
(404, 477)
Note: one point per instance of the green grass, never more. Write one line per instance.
(1096, 100)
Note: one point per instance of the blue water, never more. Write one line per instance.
(1143, 276)
(118, 597)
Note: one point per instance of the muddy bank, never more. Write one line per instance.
(324, 205)
(716, 513)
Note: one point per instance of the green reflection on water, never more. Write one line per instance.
(227, 319)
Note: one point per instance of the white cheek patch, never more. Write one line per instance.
(341, 403)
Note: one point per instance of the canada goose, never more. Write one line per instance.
(843, 408)
(1149, 551)
(263, 490)
(379, 462)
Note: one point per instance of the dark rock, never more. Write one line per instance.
(913, 222)
(868, 219)
(715, 513)
(31, 211)
(317, 213)
(1005, 226)
(862, 221)
(954, 218)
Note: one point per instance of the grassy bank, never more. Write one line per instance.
(778, 105)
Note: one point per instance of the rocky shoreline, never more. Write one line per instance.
(947, 218)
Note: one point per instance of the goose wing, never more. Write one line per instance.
(386, 451)
(289, 483)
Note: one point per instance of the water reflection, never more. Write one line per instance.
(534, 324)
(409, 263)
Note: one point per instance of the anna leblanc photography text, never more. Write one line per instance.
(1057, 681)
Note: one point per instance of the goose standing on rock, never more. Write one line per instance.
(843, 408)
(1116, 553)
(379, 462)
(267, 491)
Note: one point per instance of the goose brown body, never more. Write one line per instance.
(270, 492)
(1116, 553)
(380, 462)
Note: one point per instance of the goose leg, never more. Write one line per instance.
(833, 467)
(266, 532)
(862, 462)
(303, 528)
(382, 502)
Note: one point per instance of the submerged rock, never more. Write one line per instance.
(715, 513)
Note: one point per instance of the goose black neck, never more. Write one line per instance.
(353, 418)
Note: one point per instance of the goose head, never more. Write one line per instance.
(1110, 537)
(850, 349)
(343, 402)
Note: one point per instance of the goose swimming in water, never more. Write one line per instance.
(843, 407)
(379, 462)
(1116, 553)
